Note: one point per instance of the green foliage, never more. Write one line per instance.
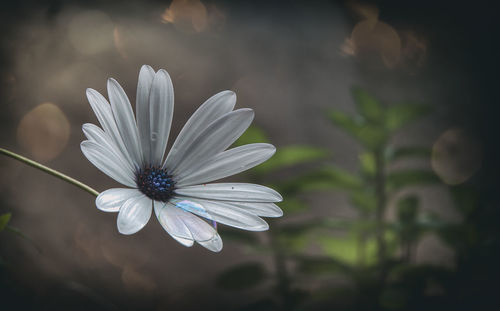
(368, 165)
(347, 249)
(242, 277)
(327, 177)
(407, 152)
(368, 106)
(321, 265)
(4, 220)
(290, 156)
(252, 135)
(402, 114)
(371, 136)
(364, 200)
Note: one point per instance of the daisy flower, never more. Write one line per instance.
(176, 187)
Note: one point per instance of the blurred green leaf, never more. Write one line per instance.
(292, 205)
(368, 165)
(289, 156)
(401, 179)
(347, 249)
(368, 106)
(325, 178)
(294, 243)
(321, 265)
(399, 115)
(364, 200)
(242, 277)
(407, 152)
(252, 135)
(369, 135)
(302, 227)
(4, 220)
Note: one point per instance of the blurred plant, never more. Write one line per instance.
(369, 246)
(283, 241)
(5, 226)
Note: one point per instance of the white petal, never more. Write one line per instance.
(222, 212)
(108, 163)
(260, 209)
(134, 214)
(104, 115)
(97, 135)
(112, 199)
(225, 164)
(219, 135)
(201, 231)
(170, 219)
(124, 117)
(213, 108)
(146, 76)
(214, 244)
(240, 192)
(161, 110)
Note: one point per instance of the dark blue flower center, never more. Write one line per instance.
(155, 183)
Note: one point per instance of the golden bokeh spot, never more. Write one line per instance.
(363, 10)
(413, 51)
(44, 132)
(119, 44)
(186, 15)
(456, 156)
(372, 37)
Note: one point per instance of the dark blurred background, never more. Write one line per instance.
(384, 114)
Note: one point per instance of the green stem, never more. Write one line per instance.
(48, 170)
(381, 202)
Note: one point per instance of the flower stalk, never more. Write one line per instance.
(48, 170)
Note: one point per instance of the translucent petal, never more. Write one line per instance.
(161, 110)
(146, 76)
(225, 164)
(239, 192)
(222, 212)
(214, 244)
(125, 120)
(107, 162)
(104, 115)
(112, 199)
(170, 219)
(134, 214)
(97, 135)
(201, 231)
(219, 135)
(260, 209)
(213, 108)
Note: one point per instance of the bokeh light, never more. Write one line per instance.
(456, 156)
(186, 15)
(44, 132)
(372, 37)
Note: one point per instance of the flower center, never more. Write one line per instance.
(155, 183)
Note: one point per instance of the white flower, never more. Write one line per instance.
(132, 154)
